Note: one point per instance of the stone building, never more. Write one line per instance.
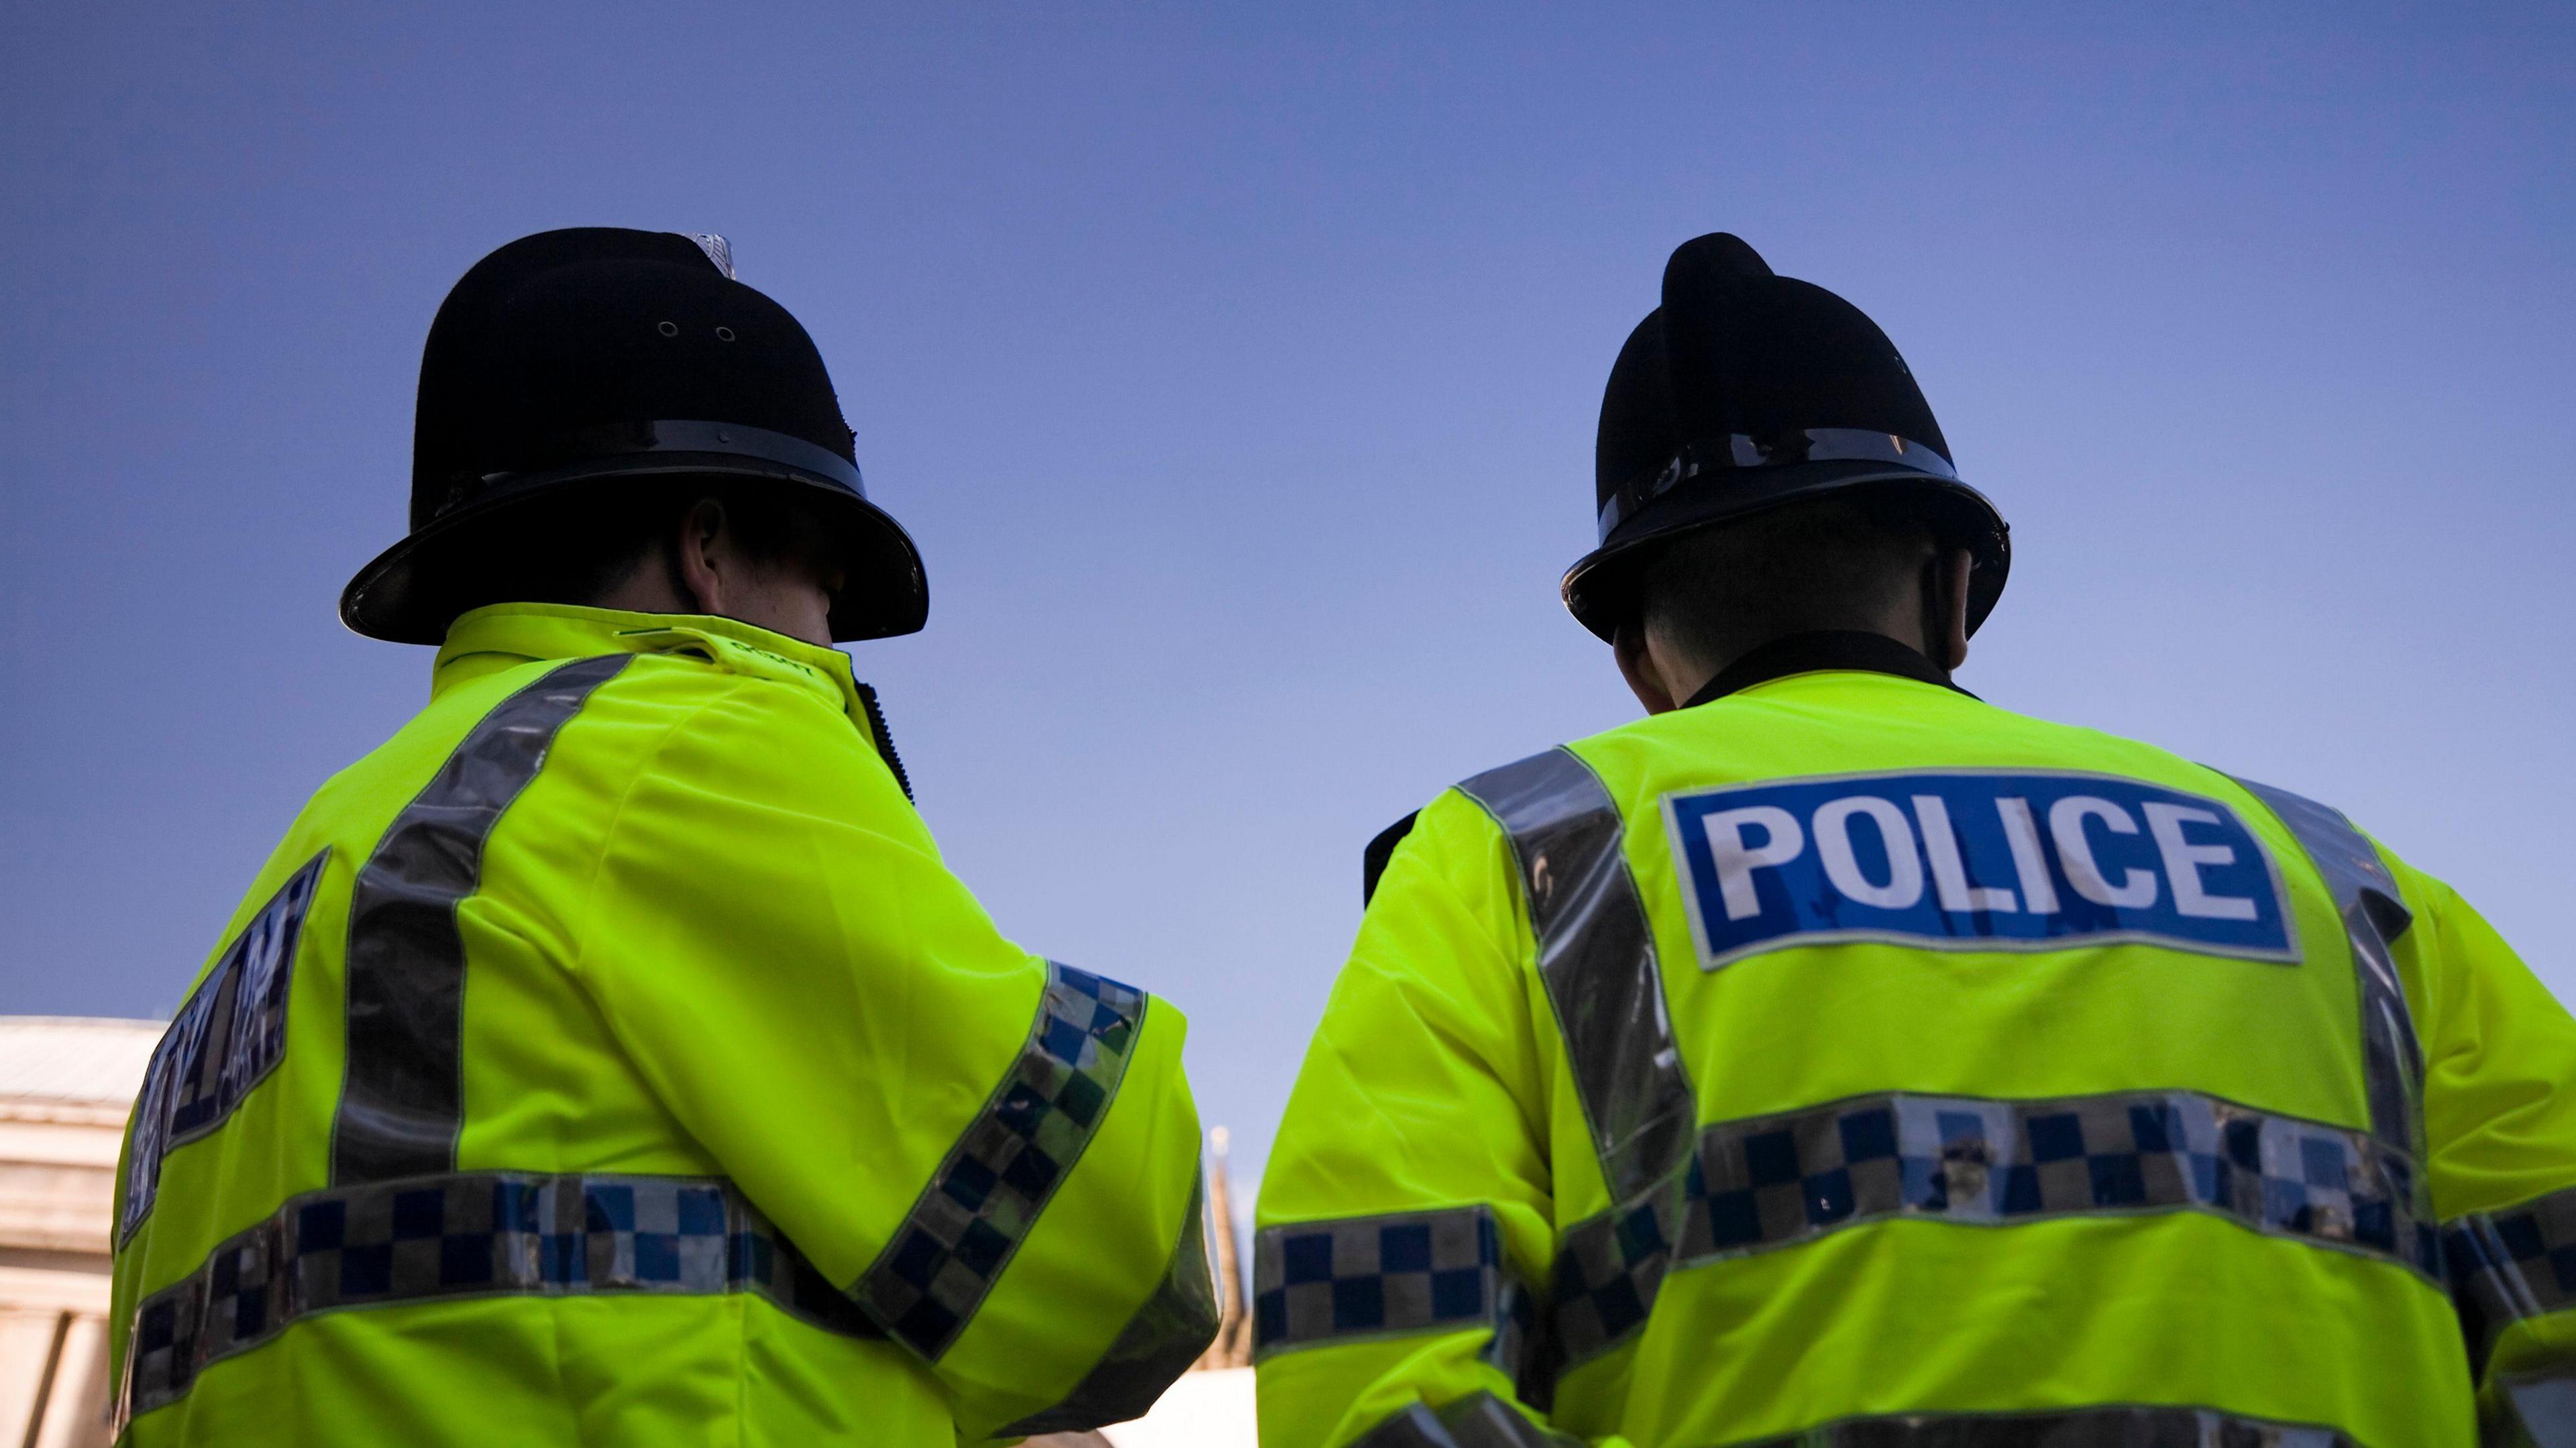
(65, 1087)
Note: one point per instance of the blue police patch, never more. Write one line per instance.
(1972, 860)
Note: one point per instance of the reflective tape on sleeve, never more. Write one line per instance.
(2114, 1427)
(1772, 1182)
(224, 1040)
(1483, 1421)
(2511, 1266)
(1388, 1276)
(1596, 954)
(473, 1234)
(1007, 1164)
(2533, 1409)
(403, 1102)
(2374, 915)
(1159, 1343)
(1479, 1420)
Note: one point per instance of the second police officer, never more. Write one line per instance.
(609, 1057)
(1832, 1058)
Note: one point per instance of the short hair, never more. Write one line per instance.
(1833, 562)
(573, 549)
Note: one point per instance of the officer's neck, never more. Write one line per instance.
(706, 570)
(1922, 637)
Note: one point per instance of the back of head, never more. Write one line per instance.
(1846, 561)
(580, 386)
(1746, 394)
(570, 549)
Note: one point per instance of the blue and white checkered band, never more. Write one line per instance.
(1777, 1181)
(2512, 1265)
(2128, 1427)
(1803, 445)
(223, 1042)
(1388, 1276)
(1972, 860)
(984, 1198)
(472, 1234)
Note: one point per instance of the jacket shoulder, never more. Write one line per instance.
(675, 712)
(689, 667)
(676, 720)
(1375, 854)
(1459, 827)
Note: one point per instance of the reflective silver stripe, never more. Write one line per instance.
(2113, 1427)
(1483, 1421)
(982, 1201)
(1777, 1181)
(402, 1101)
(2374, 916)
(2539, 1410)
(1158, 1344)
(224, 1041)
(2511, 1265)
(1414, 1427)
(1596, 954)
(472, 1234)
(1385, 1276)
(1739, 450)
(1479, 1420)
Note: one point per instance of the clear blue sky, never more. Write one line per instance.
(1236, 368)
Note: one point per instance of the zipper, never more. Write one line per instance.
(883, 736)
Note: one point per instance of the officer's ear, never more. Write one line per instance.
(1637, 666)
(701, 556)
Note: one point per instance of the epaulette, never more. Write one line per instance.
(1373, 858)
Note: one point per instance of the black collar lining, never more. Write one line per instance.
(1828, 649)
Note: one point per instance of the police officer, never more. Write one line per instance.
(1832, 1058)
(609, 1057)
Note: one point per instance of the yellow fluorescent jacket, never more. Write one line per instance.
(1845, 1061)
(609, 1058)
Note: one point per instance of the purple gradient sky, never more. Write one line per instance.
(1236, 368)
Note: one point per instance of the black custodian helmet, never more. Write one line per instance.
(1745, 391)
(580, 366)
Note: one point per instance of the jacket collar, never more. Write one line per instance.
(1807, 653)
(505, 635)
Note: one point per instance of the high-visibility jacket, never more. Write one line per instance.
(1846, 1061)
(609, 1058)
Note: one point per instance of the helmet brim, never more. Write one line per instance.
(412, 591)
(1600, 590)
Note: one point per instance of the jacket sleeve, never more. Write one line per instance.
(995, 1156)
(2500, 1122)
(1406, 1210)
